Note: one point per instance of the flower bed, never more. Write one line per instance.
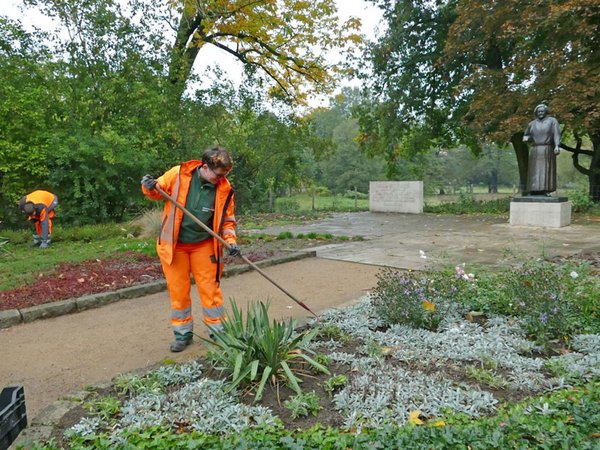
(389, 375)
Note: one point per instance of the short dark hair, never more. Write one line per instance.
(217, 158)
(26, 207)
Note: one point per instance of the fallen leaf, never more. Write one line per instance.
(387, 351)
(413, 418)
(428, 306)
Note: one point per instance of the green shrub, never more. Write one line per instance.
(301, 405)
(285, 235)
(536, 294)
(335, 383)
(256, 352)
(581, 201)
(468, 205)
(406, 298)
(287, 205)
(553, 302)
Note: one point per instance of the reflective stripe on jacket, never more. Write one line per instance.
(176, 182)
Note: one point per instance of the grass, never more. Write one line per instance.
(304, 202)
(20, 263)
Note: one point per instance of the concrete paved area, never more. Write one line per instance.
(401, 240)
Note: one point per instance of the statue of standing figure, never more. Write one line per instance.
(544, 131)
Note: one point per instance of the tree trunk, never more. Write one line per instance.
(493, 182)
(522, 154)
(184, 50)
(594, 171)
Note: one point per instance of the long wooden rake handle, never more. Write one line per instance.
(227, 246)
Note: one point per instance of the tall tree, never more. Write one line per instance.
(342, 166)
(547, 52)
(271, 152)
(26, 92)
(115, 118)
(286, 40)
(497, 60)
(410, 106)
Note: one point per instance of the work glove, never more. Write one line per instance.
(149, 182)
(234, 250)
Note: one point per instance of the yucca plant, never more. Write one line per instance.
(4, 247)
(256, 352)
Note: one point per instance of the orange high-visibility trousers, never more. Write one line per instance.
(197, 259)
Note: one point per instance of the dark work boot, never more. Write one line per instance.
(179, 345)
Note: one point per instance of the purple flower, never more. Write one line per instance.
(543, 317)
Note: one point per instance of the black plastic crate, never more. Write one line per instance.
(13, 417)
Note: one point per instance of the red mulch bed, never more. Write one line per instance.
(71, 280)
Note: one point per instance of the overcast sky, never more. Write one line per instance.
(370, 17)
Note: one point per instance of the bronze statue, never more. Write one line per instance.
(544, 131)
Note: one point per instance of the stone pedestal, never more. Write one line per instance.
(540, 211)
(396, 196)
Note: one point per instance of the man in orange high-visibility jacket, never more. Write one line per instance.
(39, 208)
(183, 246)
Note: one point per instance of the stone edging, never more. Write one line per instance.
(11, 317)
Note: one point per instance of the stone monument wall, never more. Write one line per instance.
(396, 196)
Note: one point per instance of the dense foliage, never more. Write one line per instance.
(481, 69)
(565, 419)
(95, 104)
(553, 302)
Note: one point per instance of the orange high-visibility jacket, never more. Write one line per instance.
(44, 203)
(176, 182)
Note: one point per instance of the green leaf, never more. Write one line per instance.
(263, 382)
(291, 377)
